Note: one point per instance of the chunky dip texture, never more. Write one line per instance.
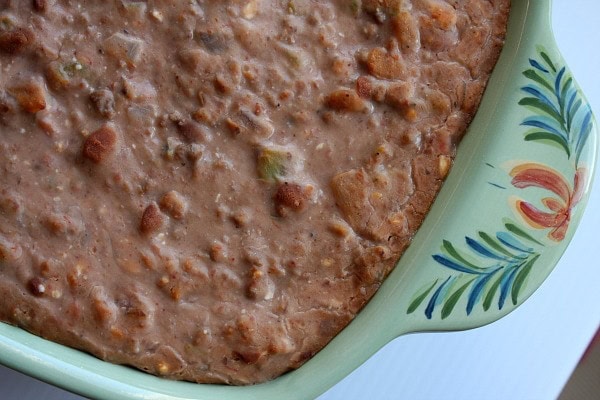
(211, 190)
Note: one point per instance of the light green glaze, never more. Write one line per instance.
(467, 204)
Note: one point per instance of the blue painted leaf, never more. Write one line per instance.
(484, 251)
(434, 299)
(489, 297)
(510, 241)
(536, 93)
(572, 96)
(512, 228)
(520, 279)
(548, 125)
(548, 60)
(541, 136)
(446, 262)
(477, 289)
(586, 129)
(542, 106)
(586, 125)
(419, 299)
(534, 76)
(490, 241)
(507, 279)
(453, 299)
(537, 65)
(563, 96)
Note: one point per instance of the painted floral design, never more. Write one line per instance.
(559, 208)
(561, 115)
(561, 118)
(490, 266)
(491, 269)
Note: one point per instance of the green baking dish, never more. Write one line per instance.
(500, 224)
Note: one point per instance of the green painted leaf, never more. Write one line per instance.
(574, 108)
(534, 136)
(493, 243)
(534, 76)
(449, 248)
(544, 107)
(520, 232)
(566, 86)
(453, 299)
(419, 299)
(489, 297)
(548, 60)
(521, 277)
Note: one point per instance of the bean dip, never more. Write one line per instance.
(210, 190)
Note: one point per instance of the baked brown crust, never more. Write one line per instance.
(211, 190)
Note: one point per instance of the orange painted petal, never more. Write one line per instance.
(538, 219)
(537, 175)
(559, 233)
(554, 205)
(579, 185)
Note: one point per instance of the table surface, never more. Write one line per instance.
(529, 354)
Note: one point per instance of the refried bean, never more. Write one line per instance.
(211, 190)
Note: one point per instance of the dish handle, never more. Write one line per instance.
(514, 198)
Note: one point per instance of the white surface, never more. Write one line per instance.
(527, 355)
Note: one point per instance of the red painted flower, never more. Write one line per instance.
(558, 215)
